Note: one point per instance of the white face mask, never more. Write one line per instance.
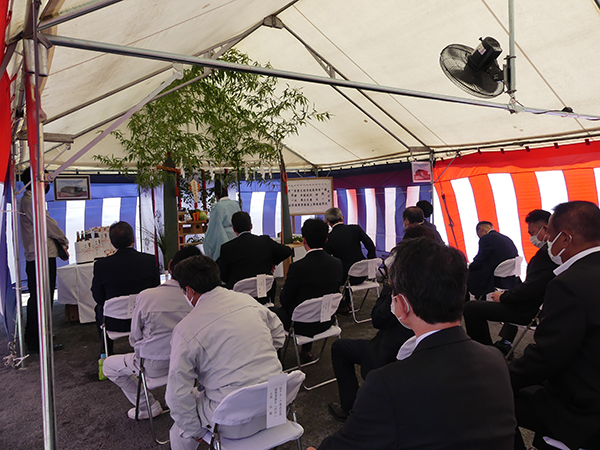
(189, 300)
(535, 241)
(393, 309)
(555, 259)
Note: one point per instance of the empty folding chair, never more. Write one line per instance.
(314, 310)
(117, 318)
(365, 268)
(245, 412)
(257, 287)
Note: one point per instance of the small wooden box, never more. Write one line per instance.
(193, 227)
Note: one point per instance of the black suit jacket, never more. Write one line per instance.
(315, 275)
(344, 241)
(493, 249)
(391, 334)
(451, 393)
(565, 355)
(249, 255)
(527, 297)
(124, 273)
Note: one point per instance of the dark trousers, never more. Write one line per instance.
(345, 353)
(477, 313)
(99, 309)
(31, 328)
(528, 418)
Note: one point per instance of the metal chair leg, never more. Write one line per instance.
(353, 310)
(143, 384)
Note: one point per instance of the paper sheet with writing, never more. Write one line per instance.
(276, 395)
(326, 307)
(261, 286)
(372, 269)
(131, 305)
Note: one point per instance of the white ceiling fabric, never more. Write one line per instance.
(389, 43)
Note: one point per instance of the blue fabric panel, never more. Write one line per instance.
(400, 207)
(343, 201)
(8, 298)
(127, 213)
(270, 206)
(380, 202)
(93, 213)
(361, 208)
(110, 190)
(246, 197)
(58, 211)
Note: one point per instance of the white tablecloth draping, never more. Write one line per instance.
(74, 284)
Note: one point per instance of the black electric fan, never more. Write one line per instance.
(475, 71)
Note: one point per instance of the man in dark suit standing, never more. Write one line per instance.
(518, 305)
(446, 390)
(344, 242)
(248, 255)
(125, 272)
(557, 381)
(494, 248)
(315, 275)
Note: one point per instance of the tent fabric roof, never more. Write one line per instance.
(386, 43)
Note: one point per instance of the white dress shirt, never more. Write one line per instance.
(563, 267)
(410, 345)
(157, 311)
(228, 341)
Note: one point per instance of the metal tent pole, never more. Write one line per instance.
(512, 70)
(35, 138)
(224, 65)
(15, 235)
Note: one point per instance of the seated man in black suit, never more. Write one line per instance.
(248, 255)
(494, 248)
(412, 217)
(446, 391)
(518, 305)
(427, 209)
(125, 272)
(557, 380)
(368, 353)
(344, 242)
(315, 275)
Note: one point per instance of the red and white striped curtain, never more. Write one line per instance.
(502, 187)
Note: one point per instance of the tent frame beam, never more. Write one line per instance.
(177, 74)
(123, 50)
(85, 9)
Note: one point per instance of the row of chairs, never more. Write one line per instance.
(253, 398)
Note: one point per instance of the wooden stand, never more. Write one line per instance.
(190, 228)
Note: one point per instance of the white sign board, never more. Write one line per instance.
(310, 195)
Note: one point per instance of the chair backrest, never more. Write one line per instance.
(246, 403)
(365, 268)
(251, 285)
(317, 309)
(510, 267)
(120, 307)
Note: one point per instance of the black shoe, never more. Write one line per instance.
(503, 347)
(305, 357)
(338, 412)
(58, 347)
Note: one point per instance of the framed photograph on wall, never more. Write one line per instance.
(72, 187)
(421, 172)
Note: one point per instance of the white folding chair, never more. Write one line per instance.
(118, 311)
(365, 268)
(255, 285)
(247, 408)
(556, 444)
(314, 310)
(147, 384)
(524, 329)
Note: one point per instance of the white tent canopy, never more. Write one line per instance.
(387, 43)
